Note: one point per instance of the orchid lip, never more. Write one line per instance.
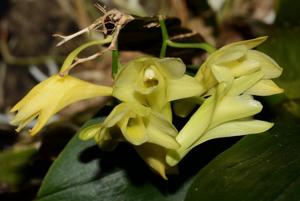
(150, 79)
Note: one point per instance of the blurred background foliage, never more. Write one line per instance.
(29, 54)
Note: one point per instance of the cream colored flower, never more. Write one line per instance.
(239, 59)
(137, 125)
(227, 112)
(107, 138)
(52, 95)
(155, 82)
(250, 72)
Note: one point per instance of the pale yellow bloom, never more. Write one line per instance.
(155, 82)
(241, 68)
(137, 124)
(227, 112)
(151, 133)
(231, 75)
(229, 129)
(153, 154)
(239, 59)
(52, 95)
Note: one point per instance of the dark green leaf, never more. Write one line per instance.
(12, 164)
(259, 167)
(82, 172)
(293, 107)
(283, 46)
(288, 12)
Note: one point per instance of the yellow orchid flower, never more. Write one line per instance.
(233, 64)
(57, 92)
(150, 132)
(52, 95)
(239, 59)
(154, 155)
(227, 110)
(230, 76)
(155, 82)
(229, 129)
(137, 124)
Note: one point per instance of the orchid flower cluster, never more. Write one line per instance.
(218, 101)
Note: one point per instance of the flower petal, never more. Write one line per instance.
(222, 74)
(184, 87)
(154, 156)
(158, 137)
(226, 56)
(74, 90)
(252, 43)
(173, 157)
(236, 128)
(124, 87)
(197, 124)
(167, 112)
(161, 123)
(233, 128)
(230, 54)
(244, 67)
(268, 66)
(134, 130)
(42, 119)
(116, 115)
(172, 68)
(39, 91)
(157, 100)
(237, 107)
(264, 88)
(241, 84)
(23, 123)
(90, 131)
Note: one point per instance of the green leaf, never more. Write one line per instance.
(13, 162)
(293, 107)
(288, 12)
(259, 167)
(82, 172)
(283, 46)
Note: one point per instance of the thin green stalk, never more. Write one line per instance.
(205, 46)
(115, 62)
(165, 37)
(67, 65)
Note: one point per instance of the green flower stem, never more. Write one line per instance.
(205, 46)
(115, 62)
(67, 65)
(165, 37)
(166, 42)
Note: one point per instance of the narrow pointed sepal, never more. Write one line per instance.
(154, 156)
(264, 88)
(184, 87)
